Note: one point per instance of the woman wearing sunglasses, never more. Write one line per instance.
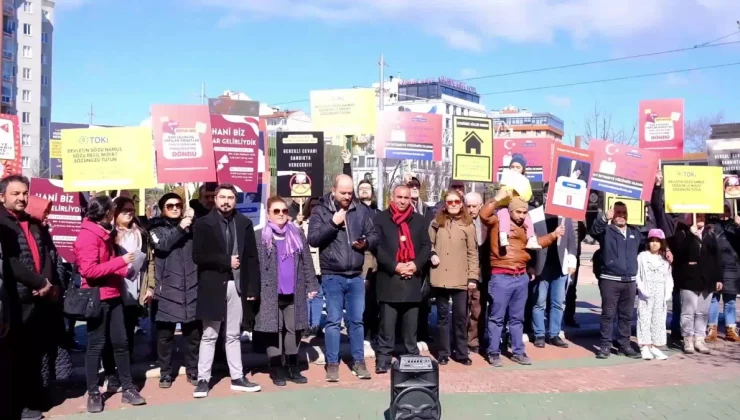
(287, 279)
(454, 271)
(176, 287)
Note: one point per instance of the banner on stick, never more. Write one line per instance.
(623, 170)
(409, 135)
(299, 159)
(10, 145)
(536, 151)
(661, 127)
(235, 148)
(66, 213)
(570, 181)
(693, 189)
(472, 149)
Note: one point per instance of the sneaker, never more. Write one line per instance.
(193, 380)
(112, 384)
(659, 355)
(646, 353)
(132, 397)
(29, 414)
(360, 370)
(201, 390)
(332, 372)
(701, 346)
(495, 360)
(604, 353)
(539, 342)
(688, 345)
(165, 381)
(522, 359)
(558, 342)
(94, 402)
(244, 385)
(629, 352)
(382, 368)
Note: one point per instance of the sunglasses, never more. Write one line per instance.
(171, 206)
(453, 202)
(277, 212)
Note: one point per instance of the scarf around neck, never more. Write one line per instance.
(405, 244)
(293, 242)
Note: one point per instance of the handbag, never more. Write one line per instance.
(82, 304)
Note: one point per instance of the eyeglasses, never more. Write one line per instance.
(277, 212)
(470, 206)
(172, 206)
(453, 202)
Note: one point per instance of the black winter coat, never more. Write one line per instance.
(728, 244)
(336, 255)
(175, 272)
(697, 265)
(214, 264)
(389, 285)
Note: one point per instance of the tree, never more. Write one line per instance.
(599, 126)
(696, 132)
(332, 165)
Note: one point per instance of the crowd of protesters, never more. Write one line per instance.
(496, 272)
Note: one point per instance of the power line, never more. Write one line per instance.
(614, 79)
(718, 39)
(608, 60)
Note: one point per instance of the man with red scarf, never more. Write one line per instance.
(403, 249)
(28, 282)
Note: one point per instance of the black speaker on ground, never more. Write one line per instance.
(415, 389)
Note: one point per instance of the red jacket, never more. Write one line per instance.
(96, 260)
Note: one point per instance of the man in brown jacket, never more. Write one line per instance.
(508, 287)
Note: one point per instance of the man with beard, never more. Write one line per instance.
(342, 229)
(27, 259)
(204, 204)
(366, 195)
(225, 250)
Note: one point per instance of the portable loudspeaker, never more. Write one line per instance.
(415, 389)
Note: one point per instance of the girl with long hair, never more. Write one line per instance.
(654, 286)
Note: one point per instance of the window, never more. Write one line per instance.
(28, 7)
(27, 52)
(44, 59)
(26, 96)
(44, 121)
(26, 140)
(370, 162)
(27, 29)
(26, 118)
(424, 91)
(8, 73)
(44, 37)
(448, 109)
(7, 93)
(447, 122)
(26, 162)
(9, 26)
(447, 152)
(26, 73)
(44, 80)
(44, 101)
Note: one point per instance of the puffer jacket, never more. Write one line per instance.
(336, 255)
(728, 244)
(17, 254)
(697, 265)
(97, 261)
(4, 301)
(176, 275)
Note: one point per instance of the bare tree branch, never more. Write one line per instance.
(696, 132)
(600, 126)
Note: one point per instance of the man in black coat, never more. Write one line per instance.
(25, 258)
(225, 250)
(204, 204)
(399, 278)
(342, 229)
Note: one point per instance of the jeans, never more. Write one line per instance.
(110, 325)
(556, 289)
(348, 294)
(130, 320)
(730, 314)
(315, 308)
(507, 292)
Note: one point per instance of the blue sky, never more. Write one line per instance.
(123, 56)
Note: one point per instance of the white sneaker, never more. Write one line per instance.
(646, 354)
(659, 355)
(701, 346)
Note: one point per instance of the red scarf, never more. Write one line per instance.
(405, 244)
(32, 245)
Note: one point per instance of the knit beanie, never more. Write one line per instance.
(518, 158)
(166, 197)
(517, 203)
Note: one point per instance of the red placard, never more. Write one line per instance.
(536, 152)
(570, 181)
(623, 170)
(236, 149)
(10, 145)
(66, 214)
(661, 125)
(409, 135)
(182, 138)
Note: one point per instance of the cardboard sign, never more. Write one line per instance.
(570, 181)
(661, 127)
(536, 151)
(623, 170)
(693, 189)
(409, 135)
(300, 164)
(635, 208)
(472, 149)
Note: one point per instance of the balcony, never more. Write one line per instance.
(8, 7)
(8, 55)
(7, 100)
(8, 77)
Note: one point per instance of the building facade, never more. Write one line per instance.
(515, 122)
(28, 27)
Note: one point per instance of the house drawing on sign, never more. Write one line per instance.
(472, 143)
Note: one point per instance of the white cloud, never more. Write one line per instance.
(559, 101)
(470, 24)
(675, 80)
(467, 73)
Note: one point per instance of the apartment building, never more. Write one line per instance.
(28, 27)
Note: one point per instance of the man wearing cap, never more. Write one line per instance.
(508, 287)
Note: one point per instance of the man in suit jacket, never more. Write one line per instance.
(553, 267)
(225, 250)
(477, 304)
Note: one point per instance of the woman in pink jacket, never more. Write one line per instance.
(99, 267)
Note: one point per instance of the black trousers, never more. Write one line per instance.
(457, 342)
(110, 325)
(617, 299)
(389, 314)
(286, 340)
(7, 391)
(371, 316)
(130, 320)
(29, 341)
(191, 334)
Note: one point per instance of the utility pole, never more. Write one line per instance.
(203, 93)
(381, 169)
(91, 114)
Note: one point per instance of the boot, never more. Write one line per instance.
(732, 335)
(294, 372)
(701, 346)
(688, 345)
(277, 371)
(712, 334)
